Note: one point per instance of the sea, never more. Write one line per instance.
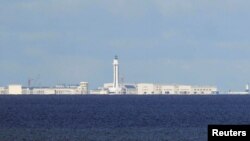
(117, 117)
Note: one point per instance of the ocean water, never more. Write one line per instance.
(118, 118)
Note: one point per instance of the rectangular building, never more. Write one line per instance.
(14, 89)
(150, 88)
(3, 90)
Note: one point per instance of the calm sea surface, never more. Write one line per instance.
(118, 118)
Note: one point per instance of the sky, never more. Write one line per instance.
(196, 42)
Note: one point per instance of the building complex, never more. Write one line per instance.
(149, 88)
(117, 88)
(82, 88)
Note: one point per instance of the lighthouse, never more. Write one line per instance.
(115, 88)
(247, 88)
(116, 73)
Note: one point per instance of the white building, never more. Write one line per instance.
(168, 89)
(124, 89)
(3, 90)
(176, 89)
(130, 88)
(100, 91)
(150, 88)
(61, 89)
(145, 88)
(41, 90)
(14, 89)
(83, 88)
(204, 90)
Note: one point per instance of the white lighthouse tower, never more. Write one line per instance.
(116, 73)
(116, 89)
(247, 88)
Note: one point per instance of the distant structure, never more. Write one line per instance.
(149, 88)
(240, 92)
(57, 90)
(14, 89)
(247, 88)
(116, 89)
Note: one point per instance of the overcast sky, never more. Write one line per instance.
(197, 42)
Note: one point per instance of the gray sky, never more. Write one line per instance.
(198, 42)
